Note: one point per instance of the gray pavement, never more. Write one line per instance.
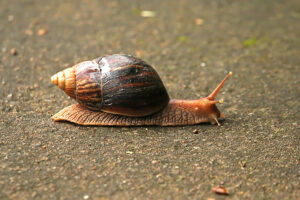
(192, 44)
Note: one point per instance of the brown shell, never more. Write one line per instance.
(118, 84)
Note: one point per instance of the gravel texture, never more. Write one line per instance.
(192, 44)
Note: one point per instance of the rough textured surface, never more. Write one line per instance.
(192, 44)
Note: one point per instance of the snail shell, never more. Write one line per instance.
(118, 84)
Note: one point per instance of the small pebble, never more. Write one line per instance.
(196, 131)
(42, 31)
(11, 105)
(28, 32)
(13, 52)
(220, 190)
(147, 13)
(10, 18)
(199, 21)
(9, 96)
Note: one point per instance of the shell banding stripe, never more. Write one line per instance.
(69, 82)
(129, 76)
(88, 85)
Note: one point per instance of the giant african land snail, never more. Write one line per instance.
(121, 90)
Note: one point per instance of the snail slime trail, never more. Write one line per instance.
(122, 90)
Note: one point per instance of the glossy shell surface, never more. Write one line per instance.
(130, 86)
(119, 84)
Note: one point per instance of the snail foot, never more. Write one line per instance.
(78, 114)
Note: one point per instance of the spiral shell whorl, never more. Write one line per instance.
(66, 80)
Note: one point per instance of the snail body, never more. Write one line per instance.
(121, 90)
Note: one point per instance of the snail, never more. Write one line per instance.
(122, 90)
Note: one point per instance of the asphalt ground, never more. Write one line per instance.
(192, 45)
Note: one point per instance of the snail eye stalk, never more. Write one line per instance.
(213, 95)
